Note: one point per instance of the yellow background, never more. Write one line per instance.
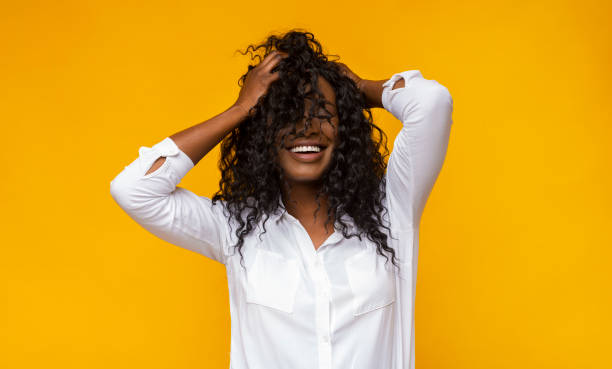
(514, 263)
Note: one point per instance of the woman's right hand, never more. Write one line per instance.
(258, 80)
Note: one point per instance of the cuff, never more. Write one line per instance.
(388, 93)
(179, 161)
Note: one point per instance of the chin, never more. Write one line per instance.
(302, 177)
(304, 172)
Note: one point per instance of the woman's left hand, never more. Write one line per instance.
(349, 73)
(371, 90)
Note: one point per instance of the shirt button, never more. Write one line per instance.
(325, 339)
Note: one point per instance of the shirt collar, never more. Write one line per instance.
(282, 213)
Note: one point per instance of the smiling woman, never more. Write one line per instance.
(313, 101)
(308, 291)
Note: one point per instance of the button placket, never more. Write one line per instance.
(323, 330)
(322, 311)
(320, 280)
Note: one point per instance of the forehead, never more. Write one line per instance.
(328, 92)
(330, 104)
(327, 89)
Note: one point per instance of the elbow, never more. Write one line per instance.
(437, 96)
(124, 189)
(140, 204)
(121, 193)
(436, 102)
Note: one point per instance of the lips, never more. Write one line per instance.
(306, 143)
(307, 157)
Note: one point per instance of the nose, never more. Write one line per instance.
(310, 128)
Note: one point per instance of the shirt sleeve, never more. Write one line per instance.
(425, 109)
(171, 213)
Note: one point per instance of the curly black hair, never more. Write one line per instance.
(251, 178)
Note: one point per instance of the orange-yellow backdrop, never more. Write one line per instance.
(514, 262)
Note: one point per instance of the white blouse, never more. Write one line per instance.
(339, 306)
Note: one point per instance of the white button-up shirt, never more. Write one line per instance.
(339, 306)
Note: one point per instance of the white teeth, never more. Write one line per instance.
(305, 148)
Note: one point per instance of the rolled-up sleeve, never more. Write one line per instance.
(425, 109)
(171, 213)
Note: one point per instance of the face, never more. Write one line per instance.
(309, 166)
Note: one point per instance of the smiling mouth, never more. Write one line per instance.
(306, 148)
(307, 155)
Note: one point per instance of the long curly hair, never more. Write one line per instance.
(251, 178)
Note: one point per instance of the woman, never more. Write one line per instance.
(303, 181)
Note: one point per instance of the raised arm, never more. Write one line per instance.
(425, 109)
(147, 189)
(152, 198)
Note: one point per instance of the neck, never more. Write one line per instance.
(301, 203)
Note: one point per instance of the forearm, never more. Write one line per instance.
(373, 91)
(196, 141)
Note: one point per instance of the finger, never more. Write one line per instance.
(277, 58)
(274, 62)
(270, 58)
(265, 60)
(275, 75)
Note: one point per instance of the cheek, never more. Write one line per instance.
(331, 131)
(283, 157)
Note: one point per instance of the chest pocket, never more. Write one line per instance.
(272, 281)
(372, 282)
